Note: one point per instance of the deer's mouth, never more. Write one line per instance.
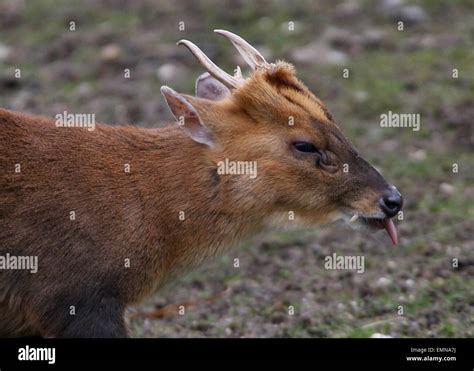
(375, 224)
(382, 223)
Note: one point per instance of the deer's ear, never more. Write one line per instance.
(187, 117)
(209, 88)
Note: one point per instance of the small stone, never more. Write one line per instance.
(319, 53)
(453, 251)
(84, 89)
(340, 38)
(380, 336)
(383, 282)
(390, 4)
(341, 307)
(418, 155)
(5, 52)
(468, 192)
(409, 283)
(412, 14)
(110, 53)
(373, 38)
(348, 9)
(447, 189)
(390, 7)
(167, 72)
(361, 96)
(392, 264)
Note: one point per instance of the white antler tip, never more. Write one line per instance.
(251, 55)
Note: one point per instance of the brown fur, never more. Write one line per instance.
(135, 215)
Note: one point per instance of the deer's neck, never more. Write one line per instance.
(190, 215)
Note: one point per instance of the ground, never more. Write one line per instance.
(281, 287)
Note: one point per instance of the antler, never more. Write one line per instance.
(230, 81)
(251, 55)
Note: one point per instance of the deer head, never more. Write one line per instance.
(305, 163)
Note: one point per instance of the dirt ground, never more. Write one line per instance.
(281, 287)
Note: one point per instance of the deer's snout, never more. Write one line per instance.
(391, 202)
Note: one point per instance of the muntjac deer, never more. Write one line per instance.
(112, 214)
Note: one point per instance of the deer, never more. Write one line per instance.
(135, 231)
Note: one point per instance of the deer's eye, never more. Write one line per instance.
(305, 147)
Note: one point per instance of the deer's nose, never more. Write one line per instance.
(391, 202)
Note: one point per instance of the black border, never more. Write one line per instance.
(95, 352)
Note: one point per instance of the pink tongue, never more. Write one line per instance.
(391, 230)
